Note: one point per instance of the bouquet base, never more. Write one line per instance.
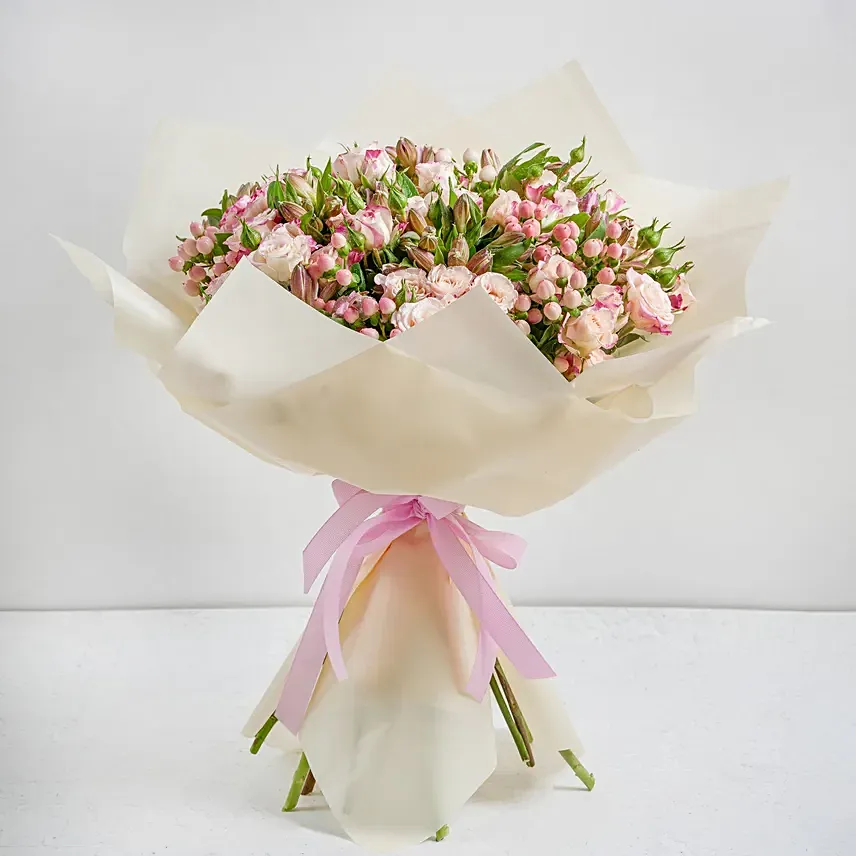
(398, 747)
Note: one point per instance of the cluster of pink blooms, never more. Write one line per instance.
(384, 237)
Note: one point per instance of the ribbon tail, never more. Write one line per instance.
(321, 636)
(501, 548)
(492, 613)
(305, 668)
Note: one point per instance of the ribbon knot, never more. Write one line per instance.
(367, 523)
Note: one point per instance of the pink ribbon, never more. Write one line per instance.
(367, 523)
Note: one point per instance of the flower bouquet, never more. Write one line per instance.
(465, 304)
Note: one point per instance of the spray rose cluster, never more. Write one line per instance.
(382, 238)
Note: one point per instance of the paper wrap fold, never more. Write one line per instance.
(444, 404)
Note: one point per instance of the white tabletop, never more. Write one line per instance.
(711, 733)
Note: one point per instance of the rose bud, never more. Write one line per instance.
(417, 222)
(490, 158)
(421, 258)
(461, 213)
(406, 153)
(302, 286)
(481, 262)
(428, 241)
(291, 210)
(459, 254)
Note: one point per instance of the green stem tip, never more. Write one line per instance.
(262, 733)
(297, 784)
(442, 832)
(579, 771)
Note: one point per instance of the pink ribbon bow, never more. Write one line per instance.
(354, 531)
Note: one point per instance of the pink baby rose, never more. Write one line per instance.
(614, 202)
(280, 253)
(413, 280)
(376, 165)
(409, 314)
(535, 187)
(503, 207)
(375, 224)
(604, 294)
(647, 304)
(436, 174)
(363, 166)
(448, 283)
(594, 328)
(499, 287)
(681, 297)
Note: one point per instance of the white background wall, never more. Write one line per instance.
(111, 497)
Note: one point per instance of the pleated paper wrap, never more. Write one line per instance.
(284, 382)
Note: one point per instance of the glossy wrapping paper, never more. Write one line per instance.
(398, 748)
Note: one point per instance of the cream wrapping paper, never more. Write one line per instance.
(281, 380)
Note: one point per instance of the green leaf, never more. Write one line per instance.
(396, 199)
(516, 159)
(488, 237)
(291, 195)
(326, 181)
(532, 167)
(213, 215)
(226, 201)
(359, 281)
(506, 256)
(250, 238)
(632, 337)
(580, 219)
(275, 194)
(356, 239)
(435, 213)
(406, 186)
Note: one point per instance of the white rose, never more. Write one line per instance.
(447, 283)
(438, 173)
(647, 304)
(281, 252)
(502, 207)
(409, 314)
(499, 287)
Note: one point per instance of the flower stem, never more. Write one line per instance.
(309, 784)
(516, 712)
(509, 719)
(442, 832)
(579, 771)
(297, 783)
(262, 734)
